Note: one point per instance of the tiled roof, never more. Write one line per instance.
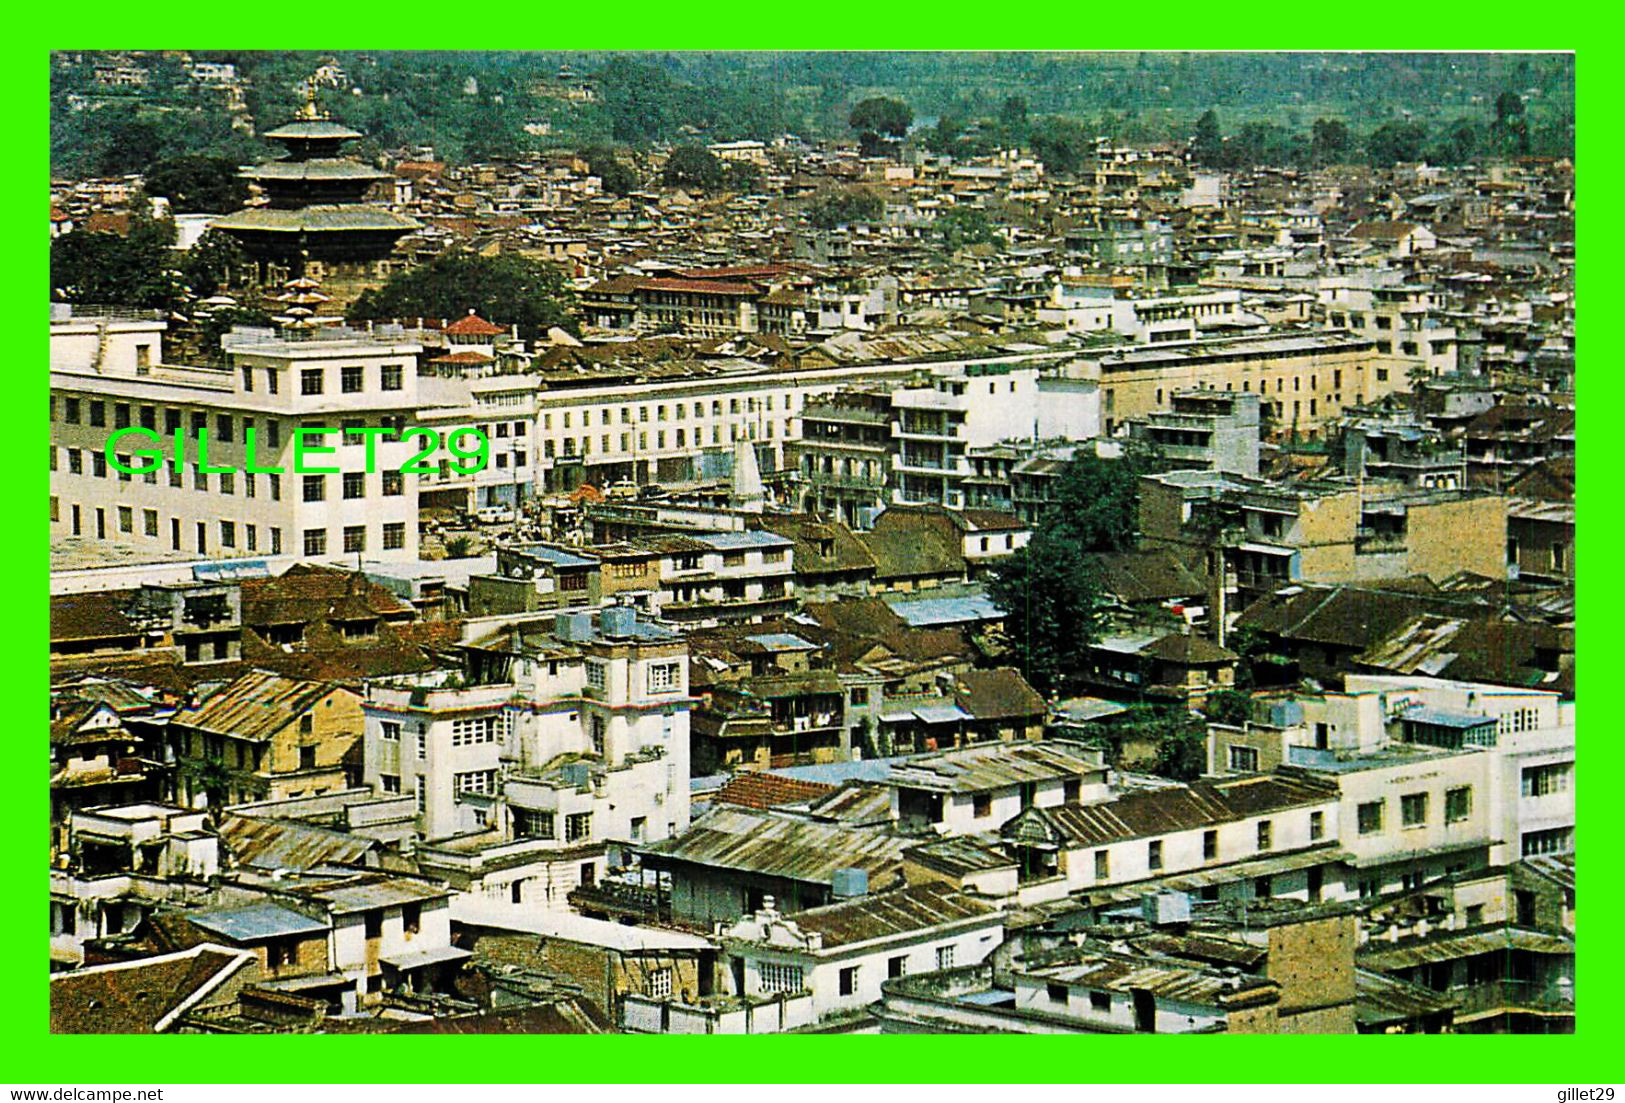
(140, 997)
(472, 325)
(759, 790)
(92, 616)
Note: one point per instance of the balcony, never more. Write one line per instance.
(1513, 997)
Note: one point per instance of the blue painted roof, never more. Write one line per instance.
(925, 612)
(256, 921)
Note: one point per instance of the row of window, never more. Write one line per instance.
(94, 411)
(531, 824)
(352, 485)
(354, 538)
(1413, 810)
(124, 517)
(679, 411)
(352, 379)
(1264, 834)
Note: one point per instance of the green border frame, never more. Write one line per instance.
(33, 1056)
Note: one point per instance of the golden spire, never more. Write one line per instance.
(310, 110)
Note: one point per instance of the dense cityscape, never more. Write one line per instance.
(986, 543)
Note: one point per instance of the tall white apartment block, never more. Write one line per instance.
(107, 374)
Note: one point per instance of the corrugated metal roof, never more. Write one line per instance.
(1451, 947)
(256, 706)
(256, 921)
(778, 847)
(994, 766)
(916, 908)
(1165, 811)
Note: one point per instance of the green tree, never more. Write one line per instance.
(135, 270)
(1181, 745)
(193, 183)
(616, 176)
(1508, 105)
(962, 226)
(1096, 501)
(212, 263)
(691, 166)
(878, 119)
(1063, 145)
(508, 290)
(845, 207)
(1394, 142)
(1052, 606)
(742, 177)
(1330, 142)
(1207, 145)
(1013, 113)
(1228, 706)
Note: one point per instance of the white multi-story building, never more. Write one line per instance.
(1403, 319)
(554, 744)
(107, 375)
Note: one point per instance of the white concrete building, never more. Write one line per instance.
(841, 953)
(107, 374)
(558, 741)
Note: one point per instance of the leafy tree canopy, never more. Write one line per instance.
(507, 290)
(964, 226)
(882, 115)
(139, 270)
(192, 182)
(845, 207)
(692, 166)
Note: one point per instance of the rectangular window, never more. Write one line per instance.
(395, 536)
(390, 377)
(657, 984)
(228, 482)
(70, 411)
(149, 520)
(390, 731)
(315, 541)
(475, 781)
(126, 519)
(276, 541)
(1154, 854)
(98, 415)
(121, 415)
(897, 966)
(315, 488)
(981, 805)
(849, 975)
(945, 956)
(1413, 809)
(1266, 834)
(355, 538)
(1103, 864)
(310, 381)
(1210, 845)
(276, 487)
(355, 484)
(1368, 817)
(473, 729)
(1317, 825)
(228, 534)
(1458, 804)
(222, 427)
(394, 484)
(350, 380)
(1243, 760)
(577, 825)
(390, 783)
(664, 677)
(1557, 840)
(533, 825)
(1543, 781)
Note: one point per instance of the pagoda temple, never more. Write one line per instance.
(314, 220)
